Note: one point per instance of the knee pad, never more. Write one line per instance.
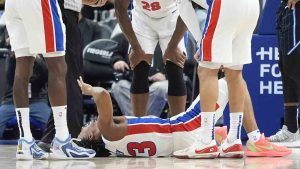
(140, 82)
(177, 86)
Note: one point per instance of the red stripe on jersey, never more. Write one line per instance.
(48, 26)
(148, 128)
(207, 41)
(189, 126)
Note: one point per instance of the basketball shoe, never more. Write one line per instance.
(285, 138)
(263, 148)
(28, 150)
(69, 150)
(232, 150)
(199, 150)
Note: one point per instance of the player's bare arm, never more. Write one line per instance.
(94, 3)
(111, 129)
(137, 54)
(172, 52)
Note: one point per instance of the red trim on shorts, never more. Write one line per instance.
(189, 126)
(207, 41)
(48, 26)
(157, 128)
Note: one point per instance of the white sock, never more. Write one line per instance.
(236, 121)
(60, 121)
(207, 126)
(23, 122)
(254, 136)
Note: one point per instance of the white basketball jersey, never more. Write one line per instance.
(146, 137)
(155, 8)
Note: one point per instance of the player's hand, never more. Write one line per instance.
(85, 88)
(292, 3)
(137, 56)
(157, 77)
(196, 56)
(94, 3)
(120, 66)
(174, 55)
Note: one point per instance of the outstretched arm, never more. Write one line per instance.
(111, 129)
(101, 98)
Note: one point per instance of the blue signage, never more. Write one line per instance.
(264, 83)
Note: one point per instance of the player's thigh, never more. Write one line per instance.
(163, 43)
(44, 26)
(16, 29)
(148, 44)
(244, 33)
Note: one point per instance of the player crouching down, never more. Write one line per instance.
(149, 136)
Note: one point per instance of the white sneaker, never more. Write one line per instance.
(69, 150)
(232, 150)
(28, 150)
(286, 138)
(199, 150)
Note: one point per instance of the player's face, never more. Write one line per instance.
(90, 132)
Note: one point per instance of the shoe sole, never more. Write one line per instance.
(267, 154)
(236, 154)
(198, 156)
(29, 157)
(56, 156)
(295, 144)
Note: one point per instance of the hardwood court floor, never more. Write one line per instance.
(8, 161)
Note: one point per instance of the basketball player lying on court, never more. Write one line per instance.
(156, 137)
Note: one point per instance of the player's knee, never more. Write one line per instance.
(177, 86)
(57, 67)
(140, 83)
(233, 75)
(205, 73)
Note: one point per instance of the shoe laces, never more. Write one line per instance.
(279, 136)
(76, 146)
(263, 140)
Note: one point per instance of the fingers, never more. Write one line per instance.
(80, 81)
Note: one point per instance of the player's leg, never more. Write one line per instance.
(257, 141)
(177, 90)
(241, 54)
(289, 61)
(189, 121)
(176, 84)
(57, 94)
(27, 149)
(46, 35)
(289, 134)
(139, 91)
